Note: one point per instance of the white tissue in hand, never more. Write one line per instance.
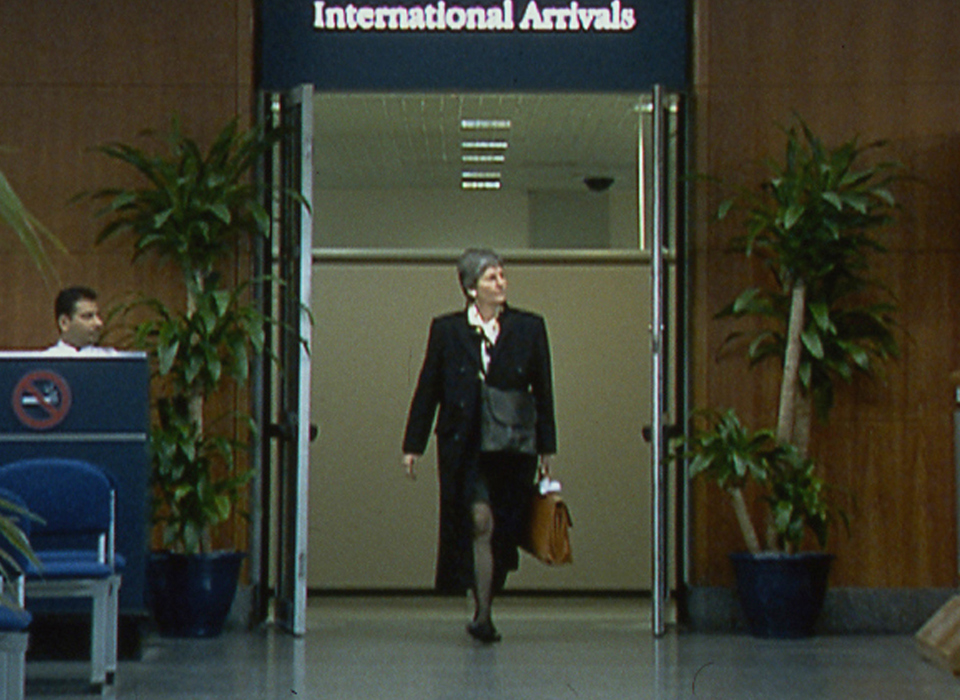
(547, 485)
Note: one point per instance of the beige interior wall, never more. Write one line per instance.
(443, 219)
(417, 218)
(370, 528)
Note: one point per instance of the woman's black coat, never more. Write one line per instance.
(450, 379)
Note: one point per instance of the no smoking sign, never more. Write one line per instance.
(41, 399)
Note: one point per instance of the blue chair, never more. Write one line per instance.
(14, 618)
(74, 544)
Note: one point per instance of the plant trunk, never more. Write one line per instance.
(786, 415)
(790, 382)
(746, 524)
(196, 396)
(803, 423)
(195, 399)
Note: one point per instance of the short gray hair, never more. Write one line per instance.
(472, 264)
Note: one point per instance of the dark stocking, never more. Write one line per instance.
(482, 561)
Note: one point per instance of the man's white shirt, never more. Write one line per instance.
(64, 349)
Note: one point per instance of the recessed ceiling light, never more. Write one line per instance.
(485, 124)
(480, 175)
(480, 184)
(485, 145)
(483, 158)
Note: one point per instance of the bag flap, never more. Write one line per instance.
(510, 407)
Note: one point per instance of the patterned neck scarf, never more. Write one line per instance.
(489, 332)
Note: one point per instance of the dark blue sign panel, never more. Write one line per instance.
(502, 45)
(94, 408)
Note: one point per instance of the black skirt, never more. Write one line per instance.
(504, 481)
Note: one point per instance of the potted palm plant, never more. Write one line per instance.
(781, 588)
(192, 210)
(810, 223)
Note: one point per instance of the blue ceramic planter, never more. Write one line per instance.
(782, 594)
(191, 594)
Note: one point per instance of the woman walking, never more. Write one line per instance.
(483, 495)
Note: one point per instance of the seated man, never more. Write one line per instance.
(78, 318)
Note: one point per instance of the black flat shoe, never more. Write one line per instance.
(484, 632)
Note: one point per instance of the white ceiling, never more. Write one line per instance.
(386, 141)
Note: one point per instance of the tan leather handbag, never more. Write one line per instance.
(548, 537)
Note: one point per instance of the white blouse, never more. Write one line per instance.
(489, 332)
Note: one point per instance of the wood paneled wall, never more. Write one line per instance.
(74, 75)
(883, 69)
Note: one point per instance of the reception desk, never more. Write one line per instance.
(94, 408)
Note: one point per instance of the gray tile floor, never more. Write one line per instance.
(370, 648)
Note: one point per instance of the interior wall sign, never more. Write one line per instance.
(512, 45)
(442, 17)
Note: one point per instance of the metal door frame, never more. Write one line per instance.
(668, 400)
(660, 214)
(282, 394)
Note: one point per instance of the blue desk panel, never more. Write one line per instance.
(94, 408)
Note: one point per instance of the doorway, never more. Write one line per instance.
(559, 185)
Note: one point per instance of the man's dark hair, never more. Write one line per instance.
(67, 299)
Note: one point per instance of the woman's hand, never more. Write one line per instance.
(543, 470)
(409, 461)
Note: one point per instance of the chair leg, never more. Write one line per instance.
(16, 680)
(98, 635)
(13, 650)
(113, 624)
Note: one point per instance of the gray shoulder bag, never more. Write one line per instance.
(508, 420)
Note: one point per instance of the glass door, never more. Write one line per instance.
(285, 394)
